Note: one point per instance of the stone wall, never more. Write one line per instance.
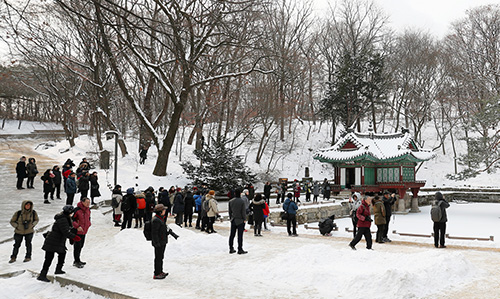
(315, 213)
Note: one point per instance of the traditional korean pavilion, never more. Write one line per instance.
(371, 162)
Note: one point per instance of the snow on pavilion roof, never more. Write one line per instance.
(374, 147)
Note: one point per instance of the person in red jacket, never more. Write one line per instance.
(266, 214)
(364, 223)
(81, 222)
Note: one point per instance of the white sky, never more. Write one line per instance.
(434, 16)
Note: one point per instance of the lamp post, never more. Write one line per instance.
(110, 134)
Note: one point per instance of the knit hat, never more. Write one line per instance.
(439, 196)
(289, 195)
(130, 191)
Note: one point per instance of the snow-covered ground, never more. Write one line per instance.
(277, 266)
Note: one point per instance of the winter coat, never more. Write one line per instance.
(188, 203)
(83, 183)
(178, 203)
(163, 198)
(48, 182)
(290, 207)
(21, 170)
(354, 205)
(70, 185)
(251, 193)
(246, 201)
(31, 169)
(213, 210)
(237, 210)
(81, 218)
(296, 191)
(266, 211)
(388, 203)
(258, 210)
(117, 194)
(316, 189)
(443, 204)
(67, 166)
(58, 177)
(56, 238)
(326, 226)
(379, 212)
(132, 203)
(267, 191)
(24, 215)
(326, 189)
(94, 186)
(363, 214)
(159, 236)
(197, 202)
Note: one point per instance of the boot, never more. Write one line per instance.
(46, 201)
(59, 270)
(43, 276)
(12, 259)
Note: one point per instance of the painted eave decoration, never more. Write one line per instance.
(387, 147)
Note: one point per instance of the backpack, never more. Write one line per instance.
(114, 202)
(141, 203)
(206, 205)
(148, 230)
(436, 213)
(125, 205)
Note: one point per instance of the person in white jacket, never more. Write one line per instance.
(213, 211)
(354, 203)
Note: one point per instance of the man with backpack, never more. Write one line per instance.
(290, 208)
(438, 215)
(129, 204)
(24, 222)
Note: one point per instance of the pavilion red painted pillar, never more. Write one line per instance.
(414, 201)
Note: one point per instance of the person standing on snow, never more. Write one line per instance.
(21, 172)
(57, 181)
(296, 193)
(267, 191)
(55, 241)
(364, 223)
(70, 188)
(379, 217)
(159, 239)
(258, 206)
(389, 200)
(84, 184)
(326, 189)
(188, 208)
(32, 171)
(48, 185)
(316, 190)
(117, 198)
(81, 222)
(197, 201)
(213, 211)
(129, 205)
(290, 207)
(237, 216)
(440, 226)
(24, 222)
(354, 203)
(178, 207)
(94, 187)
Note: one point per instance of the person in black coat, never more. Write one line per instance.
(440, 226)
(178, 207)
(159, 240)
(48, 185)
(327, 225)
(188, 209)
(389, 200)
(149, 196)
(57, 182)
(55, 241)
(237, 216)
(94, 187)
(21, 172)
(32, 171)
(129, 205)
(84, 184)
(164, 199)
(258, 205)
(267, 191)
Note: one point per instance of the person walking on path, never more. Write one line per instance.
(94, 187)
(21, 172)
(379, 217)
(48, 185)
(70, 188)
(81, 222)
(389, 200)
(440, 226)
(258, 207)
(290, 207)
(23, 222)
(213, 211)
(55, 241)
(57, 181)
(237, 216)
(354, 203)
(31, 172)
(364, 223)
(129, 205)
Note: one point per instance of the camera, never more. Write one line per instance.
(171, 232)
(26, 224)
